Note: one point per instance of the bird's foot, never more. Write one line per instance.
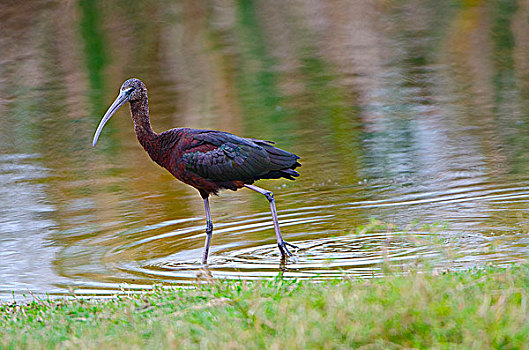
(284, 250)
(291, 245)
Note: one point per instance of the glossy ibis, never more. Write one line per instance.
(208, 160)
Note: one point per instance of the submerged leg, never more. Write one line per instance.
(280, 242)
(209, 231)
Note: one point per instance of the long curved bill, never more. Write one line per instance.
(122, 98)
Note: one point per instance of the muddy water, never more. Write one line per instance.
(411, 119)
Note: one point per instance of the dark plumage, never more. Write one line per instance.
(208, 160)
(211, 160)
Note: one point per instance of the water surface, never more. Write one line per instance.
(410, 113)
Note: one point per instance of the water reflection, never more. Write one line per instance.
(26, 220)
(413, 111)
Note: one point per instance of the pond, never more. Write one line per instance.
(410, 117)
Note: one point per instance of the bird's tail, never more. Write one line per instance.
(282, 163)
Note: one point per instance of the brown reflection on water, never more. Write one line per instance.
(412, 112)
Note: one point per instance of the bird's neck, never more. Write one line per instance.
(142, 124)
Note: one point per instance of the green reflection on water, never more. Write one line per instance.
(335, 113)
(94, 50)
(262, 103)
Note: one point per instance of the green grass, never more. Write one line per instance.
(472, 309)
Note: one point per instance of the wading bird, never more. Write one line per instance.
(208, 160)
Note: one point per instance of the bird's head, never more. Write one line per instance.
(132, 90)
(135, 88)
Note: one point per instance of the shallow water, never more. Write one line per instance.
(410, 117)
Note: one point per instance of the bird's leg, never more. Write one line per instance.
(209, 231)
(280, 242)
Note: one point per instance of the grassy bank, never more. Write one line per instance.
(472, 309)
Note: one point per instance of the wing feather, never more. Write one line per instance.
(221, 156)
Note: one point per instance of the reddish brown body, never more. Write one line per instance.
(211, 160)
(170, 149)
